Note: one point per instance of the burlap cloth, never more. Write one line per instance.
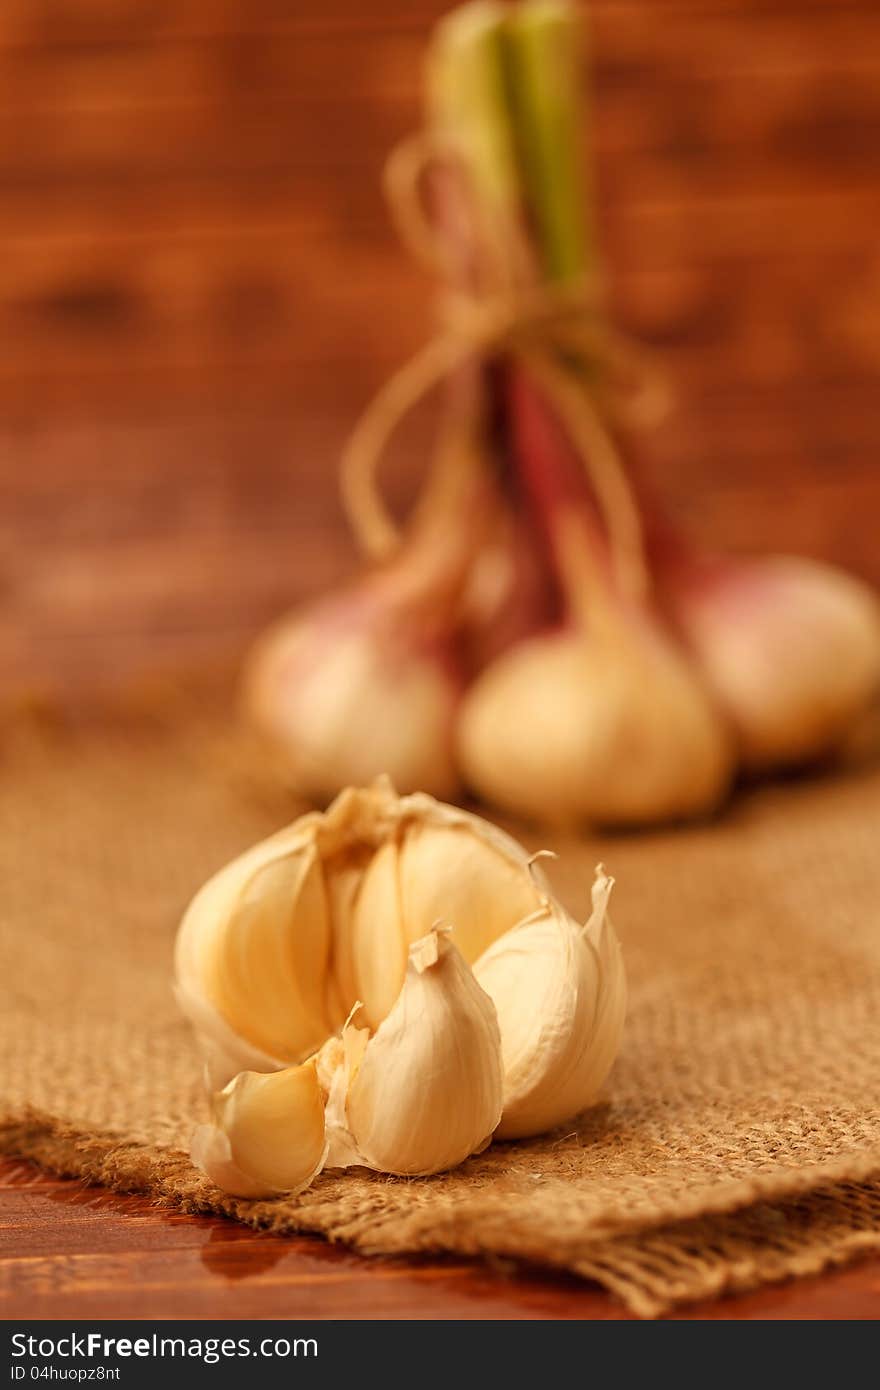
(740, 1142)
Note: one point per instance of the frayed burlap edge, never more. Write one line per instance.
(772, 1228)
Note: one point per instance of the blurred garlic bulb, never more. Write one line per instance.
(348, 690)
(560, 993)
(790, 647)
(611, 728)
(602, 717)
(366, 682)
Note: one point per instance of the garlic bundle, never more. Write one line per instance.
(525, 637)
(790, 648)
(389, 984)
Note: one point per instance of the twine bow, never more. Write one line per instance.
(556, 333)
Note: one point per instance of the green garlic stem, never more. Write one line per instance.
(468, 109)
(543, 51)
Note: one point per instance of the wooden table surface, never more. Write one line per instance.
(72, 1251)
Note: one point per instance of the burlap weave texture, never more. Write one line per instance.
(740, 1141)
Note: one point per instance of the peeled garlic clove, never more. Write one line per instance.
(617, 730)
(268, 1134)
(425, 1092)
(458, 874)
(790, 647)
(251, 955)
(345, 698)
(560, 994)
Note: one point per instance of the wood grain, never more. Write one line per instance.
(69, 1251)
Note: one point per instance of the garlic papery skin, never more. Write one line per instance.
(559, 990)
(268, 1134)
(790, 647)
(425, 1091)
(275, 950)
(613, 728)
(344, 696)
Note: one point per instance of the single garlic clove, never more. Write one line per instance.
(612, 730)
(790, 647)
(377, 946)
(425, 1092)
(455, 873)
(251, 956)
(225, 1054)
(268, 1134)
(559, 990)
(345, 699)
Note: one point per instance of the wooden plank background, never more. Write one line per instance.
(199, 289)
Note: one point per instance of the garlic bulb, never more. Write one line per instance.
(389, 900)
(611, 728)
(790, 647)
(345, 693)
(366, 683)
(560, 994)
(277, 948)
(267, 1135)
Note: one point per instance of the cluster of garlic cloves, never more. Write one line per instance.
(390, 985)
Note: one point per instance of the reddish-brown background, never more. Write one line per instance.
(198, 291)
(199, 288)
